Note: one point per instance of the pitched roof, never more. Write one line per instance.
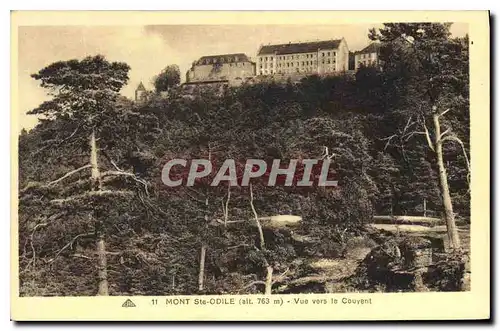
(223, 58)
(141, 87)
(372, 48)
(307, 47)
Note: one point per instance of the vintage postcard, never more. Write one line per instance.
(250, 166)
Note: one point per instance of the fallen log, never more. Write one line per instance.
(403, 219)
(273, 222)
(408, 228)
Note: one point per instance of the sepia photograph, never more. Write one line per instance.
(219, 160)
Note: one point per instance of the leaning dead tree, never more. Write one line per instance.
(269, 270)
(277, 221)
(436, 146)
(435, 139)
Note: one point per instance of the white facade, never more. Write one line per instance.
(369, 56)
(322, 57)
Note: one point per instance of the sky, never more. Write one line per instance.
(149, 49)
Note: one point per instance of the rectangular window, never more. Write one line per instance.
(328, 53)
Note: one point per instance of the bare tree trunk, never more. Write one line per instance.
(269, 280)
(201, 274)
(102, 263)
(445, 191)
(259, 227)
(425, 207)
(269, 269)
(392, 208)
(226, 210)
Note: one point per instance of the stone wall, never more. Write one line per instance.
(235, 71)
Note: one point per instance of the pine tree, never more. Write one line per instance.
(80, 118)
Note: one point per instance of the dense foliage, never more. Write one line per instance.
(167, 78)
(154, 237)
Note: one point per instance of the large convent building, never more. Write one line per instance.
(316, 57)
(279, 62)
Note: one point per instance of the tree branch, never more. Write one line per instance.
(70, 244)
(259, 227)
(226, 210)
(455, 138)
(121, 172)
(388, 140)
(39, 225)
(443, 113)
(428, 137)
(82, 256)
(69, 174)
(91, 194)
(281, 276)
(257, 282)
(413, 133)
(444, 133)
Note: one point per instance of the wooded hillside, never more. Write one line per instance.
(95, 217)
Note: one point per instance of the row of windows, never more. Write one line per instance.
(294, 57)
(297, 70)
(367, 62)
(303, 63)
(367, 56)
(237, 64)
(227, 59)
